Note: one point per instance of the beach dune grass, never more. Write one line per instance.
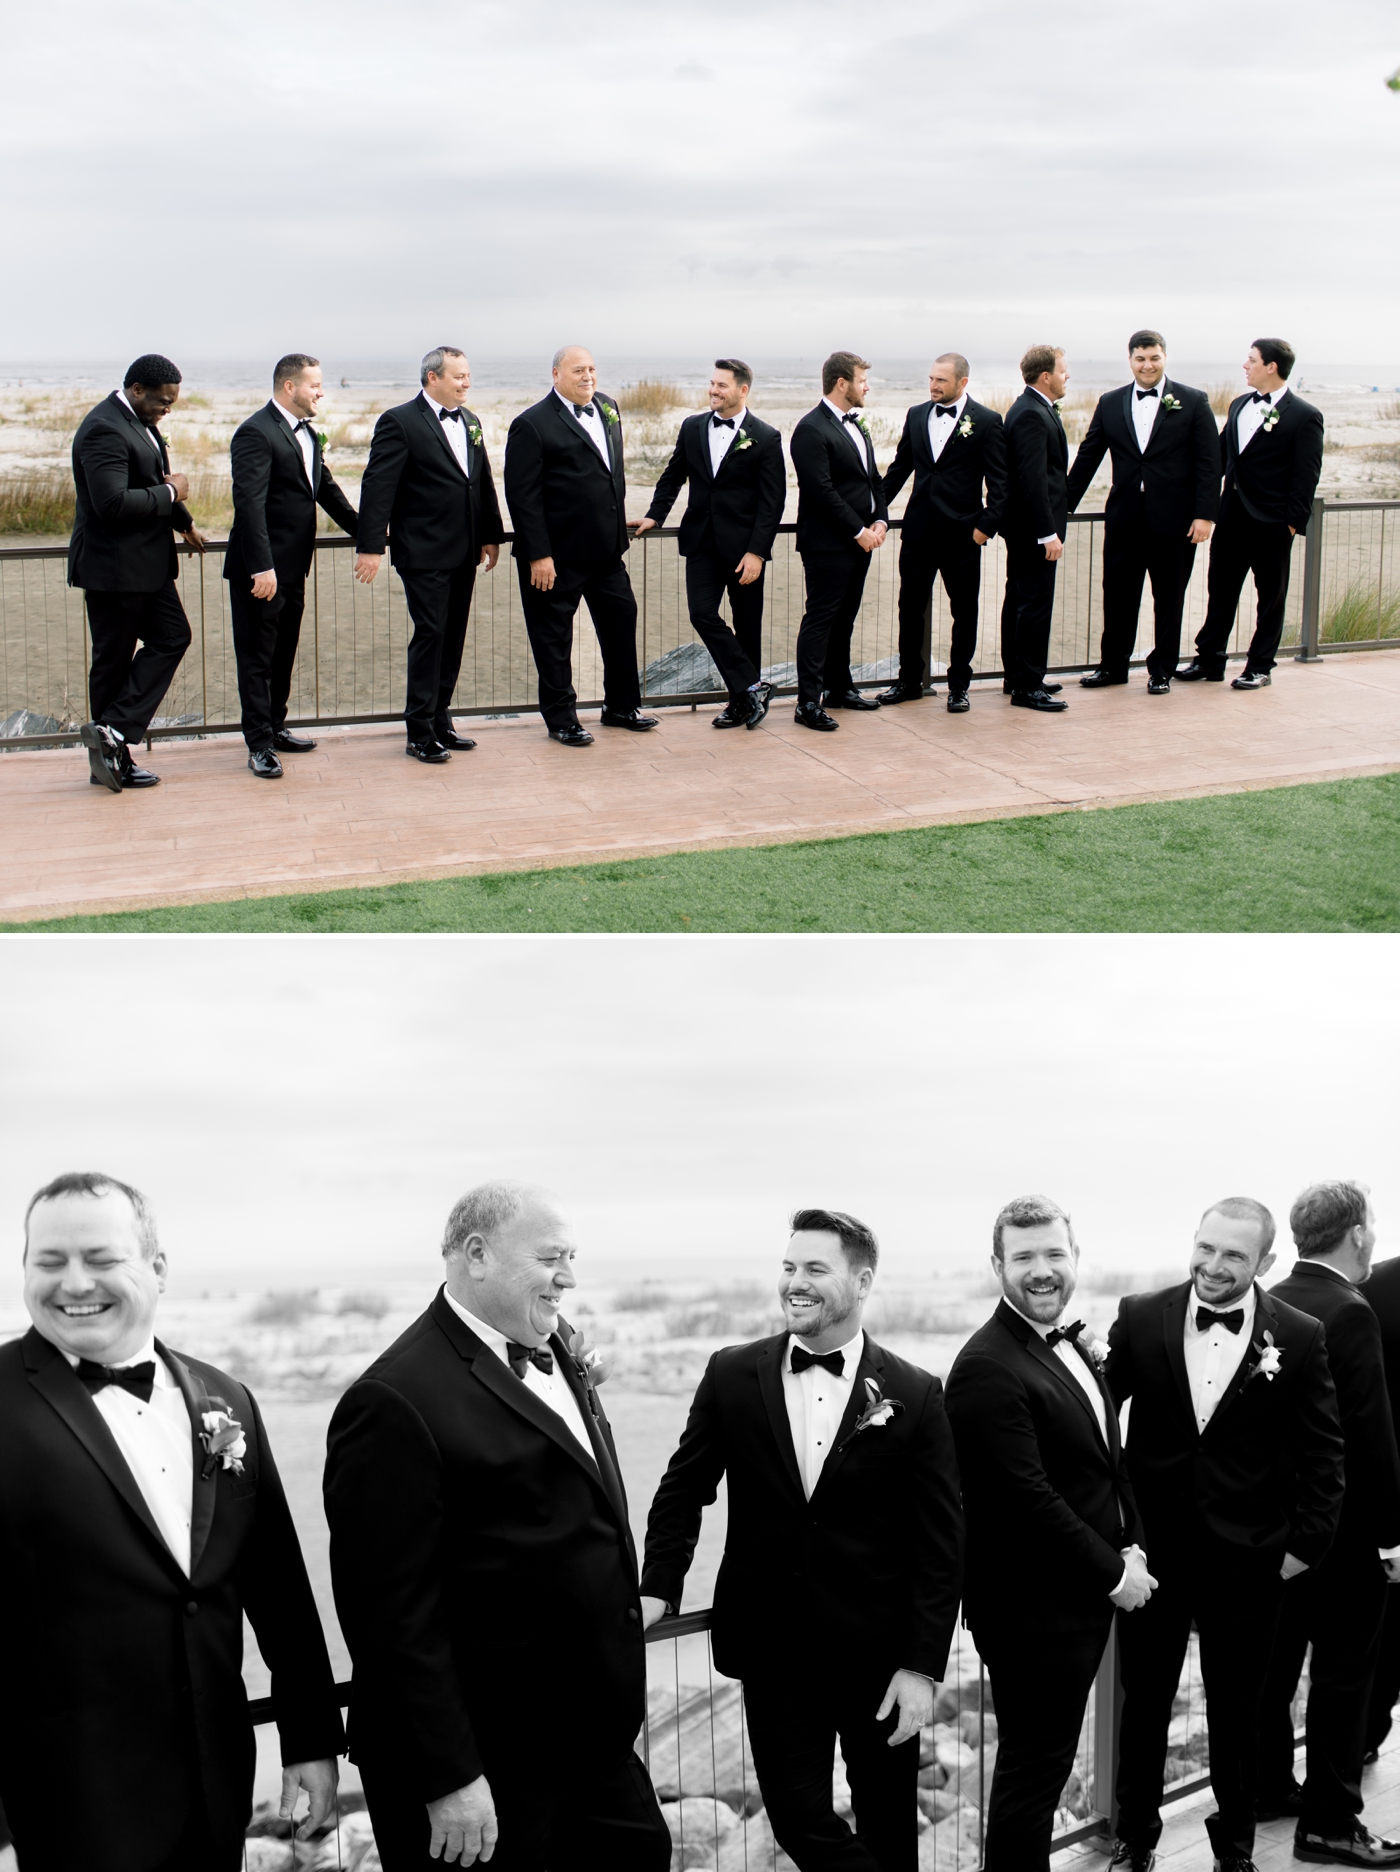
(650, 396)
(1360, 615)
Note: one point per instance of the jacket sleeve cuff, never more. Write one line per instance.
(662, 1582)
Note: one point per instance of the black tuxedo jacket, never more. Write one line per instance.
(735, 511)
(1038, 452)
(564, 504)
(1179, 468)
(1382, 1294)
(113, 1658)
(1266, 1475)
(274, 506)
(125, 523)
(1276, 477)
(950, 489)
(873, 1561)
(836, 497)
(476, 1551)
(415, 495)
(1037, 1478)
(1370, 1516)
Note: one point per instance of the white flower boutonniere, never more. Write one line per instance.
(222, 1436)
(965, 426)
(1095, 1350)
(863, 426)
(1270, 420)
(743, 440)
(1169, 402)
(474, 434)
(611, 415)
(1268, 1360)
(877, 1413)
(323, 441)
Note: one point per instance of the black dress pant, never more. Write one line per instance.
(1133, 551)
(549, 623)
(1337, 1607)
(1233, 1597)
(1025, 614)
(126, 685)
(951, 550)
(438, 603)
(835, 585)
(736, 652)
(266, 632)
(1238, 547)
(1040, 1682)
(1385, 1686)
(794, 1720)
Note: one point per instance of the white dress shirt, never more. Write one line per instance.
(816, 1403)
(1252, 416)
(852, 429)
(154, 442)
(940, 428)
(551, 1388)
(302, 438)
(721, 439)
(593, 423)
(1145, 410)
(157, 1440)
(1213, 1357)
(456, 432)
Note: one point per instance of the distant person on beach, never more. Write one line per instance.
(129, 508)
(1034, 527)
(731, 465)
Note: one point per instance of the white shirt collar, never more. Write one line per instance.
(290, 417)
(434, 405)
(1246, 1303)
(850, 1352)
(150, 428)
(497, 1341)
(570, 405)
(959, 405)
(841, 414)
(1041, 394)
(147, 1353)
(1275, 396)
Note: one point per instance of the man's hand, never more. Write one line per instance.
(1200, 531)
(542, 574)
(1137, 1586)
(914, 1695)
(367, 567)
(652, 1610)
(193, 537)
(1292, 1567)
(1392, 1570)
(1292, 532)
(642, 526)
(179, 484)
(979, 538)
(879, 530)
(489, 556)
(749, 568)
(265, 585)
(1054, 548)
(320, 1779)
(463, 1825)
(868, 539)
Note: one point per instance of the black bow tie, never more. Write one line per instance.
(722, 422)
(1206, 1317)
(1053, 1337)
(1262, 396)
(139, 1380)
(1142, 393)
(449, 415)
(945, 409)
(298, 427)
(583, 409)
(851, 416)
(522, 1355)
(834, 1362)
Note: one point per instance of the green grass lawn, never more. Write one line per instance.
(1323, 857)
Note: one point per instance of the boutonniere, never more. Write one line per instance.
(225, 1445)
(323, 441)
(743, 440)
(1270, 420)
(877, 1413)
(1095, 1350)
(863, 426)
(611, 415)
(1169, 402)
(965, 426)
(592, 1369)
(474, 434)
(1268, 1359)
(1058, 405)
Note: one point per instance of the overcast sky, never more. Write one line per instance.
(767, 176)
(308, 1109)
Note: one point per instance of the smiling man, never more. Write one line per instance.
(130, 1549)
(843, 1548)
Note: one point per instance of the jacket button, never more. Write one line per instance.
(191, 1608)
(633, 1613)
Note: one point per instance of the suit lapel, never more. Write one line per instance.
(289, 440)
(1130, 420)
(1173, 1338)
(431, 418)
(146, 432)
(1043, 1355)
(702, 449)
(1265, 1319)
(196, 1403)
(593, 1423)
(743, 421)
(872, 1363)
(770, 1385)
(574, 425)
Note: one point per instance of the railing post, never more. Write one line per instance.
(1108, 1708)
(1310, 652)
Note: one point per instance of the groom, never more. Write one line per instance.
(838, 1594)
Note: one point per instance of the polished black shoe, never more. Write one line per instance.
(758, 704)
(1132, 1858)
(632, 718)
(430, 751)
(1196, 671)
(449, 738)
(852, 699)
(285, 742)
(1358, 1847)
(575, 735)
(900, 692)
(1041, 699)
(1371, 1757)
(1159, 685)
(1233, 1862)
(265, 764)
(958, 703)
(134, 776)
(1050, 688)
(809, 715)
(1100, 679)
(1252, 679)
(733, 715)
(105, 751)
(1287, 1805)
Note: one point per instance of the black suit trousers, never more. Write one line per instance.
(1385, 1686)
(266, 632)
(835, 585)
(1040, 1684)
(1338, 1607)
(549, 622)
(126, 685)
(1132, 552)
(793, 1726)
(1238, 547)
(736, 652)
(952, 551)
(1025, 614)
(439, 603)
(1234, 1600)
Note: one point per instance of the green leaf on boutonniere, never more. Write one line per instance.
(611, 414)
(743, 440)
(322, 440)
(965, 426)
(474, 435)
(1169, 402)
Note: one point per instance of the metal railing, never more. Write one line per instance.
(351, 664)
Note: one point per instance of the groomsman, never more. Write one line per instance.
(842, 518)
(128, 508)
(566, 488)
(1034, 527)
(1382, 1294)
(279, 480)
(955, 448)
(737, 484)
(1235, 1450)
(1043, 1479)
(1271, 454)
(1162, 438)
(428, 493)
(1338, 1607)
(141, 1519)
(484, 1571)
(837, 1597)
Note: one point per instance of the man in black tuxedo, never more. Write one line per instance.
(1235, 1450)
(1034, 528)
(1382, 1295)
(1337, 1607)
(141, 1517)
(837, 1597)
(732, 466)
(1043, 1474)
(1271, 455)
(484, 1571)
(566, 487)
(279, 479)
(842, 518)
(428, 492)
(955, 448)
(1162, 505)
(129, 507)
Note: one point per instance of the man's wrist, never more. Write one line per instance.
(1390, 1553)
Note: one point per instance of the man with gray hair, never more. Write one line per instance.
(482, 1561)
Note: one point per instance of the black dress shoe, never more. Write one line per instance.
(900, 692)
(958, 703)
(265, 764)
(285, 742)
(632, 718)
(1159, 685)
(1355, 1847)
(1037, 699)
(1050, 688)
(1284, 1805)
(811, 715)
(1099, 679)
(134, 776)
(852, 699)
(574, 735)
(1196, 671)
(1252, 679)
(1132, 1858)
(105, 751)
(449, 738)
(759, 699)
(733, 715)
(431, 751)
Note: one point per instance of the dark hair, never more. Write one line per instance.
(1144, 341)
(152, 369)
(1277, 351)
(292, 365)
(841, 364)
(961, 367)
(1039, 359)
(1028, 1212)
(97, 1183)
(1245, 1209)
(1324, 1213)
(737, 369)
(858, 1242)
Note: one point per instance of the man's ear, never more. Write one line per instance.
(1265, 1264)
